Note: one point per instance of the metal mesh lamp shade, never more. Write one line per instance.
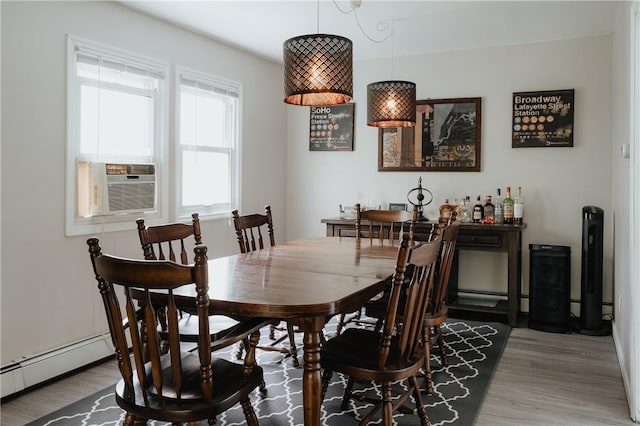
(391, 104)
(318, 70)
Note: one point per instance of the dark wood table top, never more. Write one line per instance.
(317, 276)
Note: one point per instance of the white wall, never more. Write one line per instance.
(49, 295)
(625, 328)
(556, 182)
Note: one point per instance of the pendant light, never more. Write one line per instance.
(391, 103)
(318, 69)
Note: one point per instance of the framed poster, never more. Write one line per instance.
(398, 206)
(446, 138)
(542, 119)
(331, 128)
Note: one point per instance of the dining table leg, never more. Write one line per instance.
(312, 378)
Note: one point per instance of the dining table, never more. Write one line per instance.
(306, 281)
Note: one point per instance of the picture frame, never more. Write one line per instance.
(447, 138)
(397, 206)
(543, 119)
(331, 128)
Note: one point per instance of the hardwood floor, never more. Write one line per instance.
(542, 379)
(556, 379)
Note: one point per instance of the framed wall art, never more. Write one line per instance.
(446, 138)
(398, 206)
(331, 128)
(542, 119)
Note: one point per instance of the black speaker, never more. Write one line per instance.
(549, 287)
(591, 279)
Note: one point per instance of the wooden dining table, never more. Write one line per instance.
(306, 281)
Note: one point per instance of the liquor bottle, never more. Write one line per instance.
(455, 210)
(507, 207)
(488, 210)
(465, 214)
(445, 211)
(518, 207)
(478, 211)
(498, 211)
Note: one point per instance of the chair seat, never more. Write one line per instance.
(357, 349)
(224, 330)
(192, 406)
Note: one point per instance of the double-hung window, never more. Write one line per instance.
(117, 138)
(207, 145)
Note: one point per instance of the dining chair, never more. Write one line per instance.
(172, 242)
(393, 353)
(383, 225)
(183, 384)
(437, 312)
(251, 232)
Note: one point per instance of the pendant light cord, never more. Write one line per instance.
(381, 26)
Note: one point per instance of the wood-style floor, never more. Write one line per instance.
(542, 379)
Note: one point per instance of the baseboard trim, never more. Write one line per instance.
(626, 376)
(33, 370)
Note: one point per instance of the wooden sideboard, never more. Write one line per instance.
(471, 236)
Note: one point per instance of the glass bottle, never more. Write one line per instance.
(465, 214)
(478, 211)
(518, 207)
(498, 211)
(488, 210)
(445, 211)
(507, 207)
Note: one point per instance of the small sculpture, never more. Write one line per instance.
(420, 200)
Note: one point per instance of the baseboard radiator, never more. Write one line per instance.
(32, 370)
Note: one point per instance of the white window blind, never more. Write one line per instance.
(208, 143)
(117, 113)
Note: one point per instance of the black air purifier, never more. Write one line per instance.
(591, 279)
(549, 288)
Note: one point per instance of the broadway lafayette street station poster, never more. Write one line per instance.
(543, 119)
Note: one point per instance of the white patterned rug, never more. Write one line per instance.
(474, 350)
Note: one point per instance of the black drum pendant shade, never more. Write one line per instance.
(391, 104)
(318, 70)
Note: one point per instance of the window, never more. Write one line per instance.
(207, 144)
(117, 107)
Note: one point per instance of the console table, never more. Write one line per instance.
(471, 236)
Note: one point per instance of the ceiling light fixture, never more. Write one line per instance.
(391, 103)
(318, 69)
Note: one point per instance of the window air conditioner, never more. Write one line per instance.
(122, 188)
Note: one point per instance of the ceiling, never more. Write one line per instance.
(260, 26)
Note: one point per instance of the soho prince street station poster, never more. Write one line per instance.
(543, 119)
(331, 128)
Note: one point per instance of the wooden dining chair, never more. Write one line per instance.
(393, 353)
(382, 225)
(385, 224)
(180, 385)
(169, 242)
(437, 312)
(172, 242)
(251, 232)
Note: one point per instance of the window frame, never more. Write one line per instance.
(234, 148)
(75, 225)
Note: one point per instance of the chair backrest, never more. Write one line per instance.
(447, 252)
(385, 224)
(404, 345)
(162, 376)
(166, 242)
(250, 227)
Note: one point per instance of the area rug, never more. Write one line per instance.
(474, 350)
